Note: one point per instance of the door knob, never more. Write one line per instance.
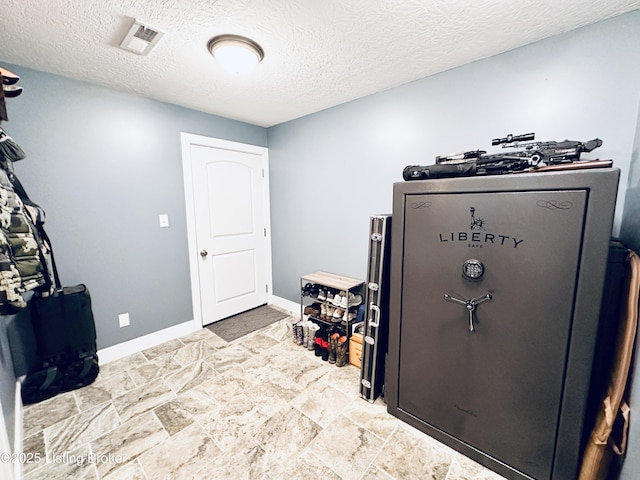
(203, 253)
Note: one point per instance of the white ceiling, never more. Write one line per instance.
(318, 53)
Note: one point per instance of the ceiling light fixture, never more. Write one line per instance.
(235, 53)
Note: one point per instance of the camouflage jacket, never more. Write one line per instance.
(21, 260)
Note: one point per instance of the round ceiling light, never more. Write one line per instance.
(235, 53)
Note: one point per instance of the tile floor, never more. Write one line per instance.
(260, 407)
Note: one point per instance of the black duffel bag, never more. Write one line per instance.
(66, 342)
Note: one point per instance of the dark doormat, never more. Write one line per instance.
(232, 328)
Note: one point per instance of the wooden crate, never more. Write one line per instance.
(355, 350)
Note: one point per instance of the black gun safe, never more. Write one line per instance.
(496, 284)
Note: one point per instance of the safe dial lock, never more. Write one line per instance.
(472, 269)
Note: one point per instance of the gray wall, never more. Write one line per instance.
(330, 171)
(103, 165)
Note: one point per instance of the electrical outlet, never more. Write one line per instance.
(123, 320)
(163, 219)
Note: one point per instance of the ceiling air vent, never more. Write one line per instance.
(141, 38)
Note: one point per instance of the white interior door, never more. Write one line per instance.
(230, 217)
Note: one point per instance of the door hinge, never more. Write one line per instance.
(265, 232)
(266, 287)
(263, 173)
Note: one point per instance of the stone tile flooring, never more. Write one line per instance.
(260, 407)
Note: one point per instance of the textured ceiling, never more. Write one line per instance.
(318, 53)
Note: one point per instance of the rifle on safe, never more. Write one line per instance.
(531, 156)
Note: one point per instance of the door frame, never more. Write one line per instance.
(186, 141)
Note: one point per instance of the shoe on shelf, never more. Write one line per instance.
(312, 310)
(322, 295)
(337, 299)
(323, 311)
(337, 315)
(330, 311)
(350, 315)
(330, 296)
(350, 300)
(310, 290)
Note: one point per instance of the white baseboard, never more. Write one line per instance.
(292, 307)
(121, 350)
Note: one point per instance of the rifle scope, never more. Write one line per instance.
(525, 137)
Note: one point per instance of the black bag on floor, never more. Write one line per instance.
(66, 333)
(66, 342)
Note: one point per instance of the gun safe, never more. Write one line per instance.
(495, 292)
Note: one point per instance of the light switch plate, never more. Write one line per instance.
(164, 220)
